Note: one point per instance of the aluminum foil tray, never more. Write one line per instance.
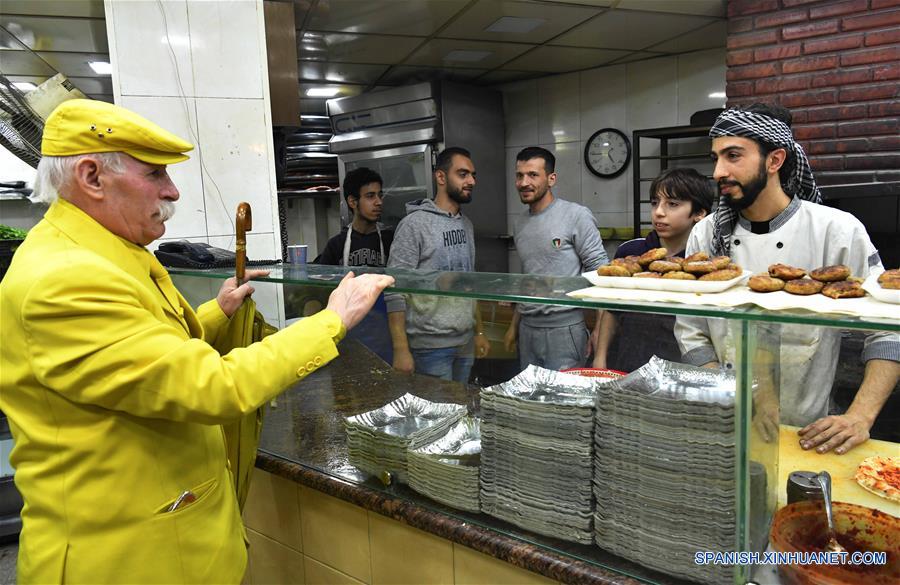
(536, 384)
(407, 417)
(460, 446)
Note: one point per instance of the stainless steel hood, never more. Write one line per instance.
(390, 118)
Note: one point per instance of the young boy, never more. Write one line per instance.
(363, 242)
(679, 198)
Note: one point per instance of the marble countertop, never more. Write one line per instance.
(303, 440)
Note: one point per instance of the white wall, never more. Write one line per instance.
(198, 68)
(561, 112)
(20, 214)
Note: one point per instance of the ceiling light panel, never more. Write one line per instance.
(515, 24)
(434, 52)
(477, 19)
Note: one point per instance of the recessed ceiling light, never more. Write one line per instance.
(322, 91)
(515, 24)
(24, 85)
(466, 56)
(101, 67)
(717, 94)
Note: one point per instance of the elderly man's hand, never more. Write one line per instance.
(839, 432)
(231, 295)
(355, 295)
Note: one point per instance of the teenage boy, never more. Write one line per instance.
(679, 198)
(363, 242)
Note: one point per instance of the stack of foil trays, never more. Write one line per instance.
(536, 460)
(664, 477)
(378, 440)
(447, 469)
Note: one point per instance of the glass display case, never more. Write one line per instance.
(680, 460)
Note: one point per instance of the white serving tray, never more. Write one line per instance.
(665, 284)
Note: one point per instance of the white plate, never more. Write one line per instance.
(666, 284)
(885, 295)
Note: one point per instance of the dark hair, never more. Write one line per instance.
(445, 158)
(359, 178)
(684, 185)
(784, 115)
(531, 152)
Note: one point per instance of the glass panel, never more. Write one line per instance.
(680, 465)
(537, 289)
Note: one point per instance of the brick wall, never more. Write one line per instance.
(836, 65)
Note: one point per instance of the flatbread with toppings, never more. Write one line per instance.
(881, 476)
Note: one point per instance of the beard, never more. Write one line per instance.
(749, 190)
(458, 194)
(166, 211)
(538, 195)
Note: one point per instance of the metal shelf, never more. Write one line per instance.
(663, 135)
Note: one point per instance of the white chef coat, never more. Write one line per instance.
(806, 235)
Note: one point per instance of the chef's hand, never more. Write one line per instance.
(482, 346)
(231, 295)
(509, 338)
(765, 415)
(403, 361)
(839, 432)
(355, 295)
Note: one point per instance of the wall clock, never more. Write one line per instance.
(607, 153)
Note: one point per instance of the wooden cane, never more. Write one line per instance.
(243, 224)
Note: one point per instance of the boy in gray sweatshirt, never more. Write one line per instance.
(556, 238)
(438, 336)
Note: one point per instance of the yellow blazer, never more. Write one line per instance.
(115, 398)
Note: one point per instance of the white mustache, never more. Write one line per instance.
(166, 210)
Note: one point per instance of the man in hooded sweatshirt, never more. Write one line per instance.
(438, 336)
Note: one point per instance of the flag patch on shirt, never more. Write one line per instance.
(557, 243)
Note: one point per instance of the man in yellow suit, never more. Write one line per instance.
(113, 391)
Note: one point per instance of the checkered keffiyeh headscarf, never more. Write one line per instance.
(762, 128)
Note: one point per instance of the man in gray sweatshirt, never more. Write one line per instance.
(557, 238)
(438, 336)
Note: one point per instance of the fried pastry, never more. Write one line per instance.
(764, 283)
(664, 266)
(803, 286)
(721, 275)
(679, 275)
(647, 275)
(785, 272)
(720, 262)
(830, 273)
(677, 259)
(890, 279)
(613, 270)
(629, 262)
(843, 289)
(699, 267)
(697, 257)
(652, 255)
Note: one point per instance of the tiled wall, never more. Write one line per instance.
(301, 535)
(198, 68)
(561, 112)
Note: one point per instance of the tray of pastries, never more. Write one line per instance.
(657, 270)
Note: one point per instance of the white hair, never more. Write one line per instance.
(55, 172)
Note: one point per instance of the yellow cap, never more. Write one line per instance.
(87, 126)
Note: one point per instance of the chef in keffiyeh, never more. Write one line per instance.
(770, 212)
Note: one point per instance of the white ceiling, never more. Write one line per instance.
(359, 44)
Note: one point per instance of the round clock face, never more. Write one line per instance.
(607, 153)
